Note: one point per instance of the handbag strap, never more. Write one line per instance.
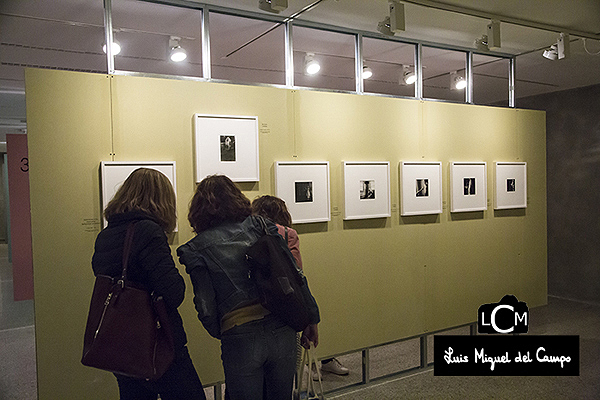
(313, 359)
(263, 224)
(286, 234)
(301, 371)
(127, 251)
(309, 359)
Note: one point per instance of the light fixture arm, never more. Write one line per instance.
(108, 36)
(174, 41)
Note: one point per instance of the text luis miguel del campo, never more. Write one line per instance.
(504, 353)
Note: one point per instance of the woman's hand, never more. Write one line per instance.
(310, 334)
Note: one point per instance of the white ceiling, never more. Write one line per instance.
(68, 34)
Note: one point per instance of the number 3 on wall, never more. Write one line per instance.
(25, 164)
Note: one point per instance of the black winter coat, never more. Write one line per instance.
(150, 262)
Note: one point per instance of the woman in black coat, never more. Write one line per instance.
(147, 200)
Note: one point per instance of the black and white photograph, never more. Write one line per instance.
(469, 187)
(422, 188)
(511, 185)
(367, 190)
(304, 186)
(226, 145)
(228, 148)
(304, 192)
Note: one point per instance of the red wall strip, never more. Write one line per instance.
(20, 216)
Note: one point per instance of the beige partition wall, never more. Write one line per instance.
(375, 280)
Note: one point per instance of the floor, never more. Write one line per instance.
(559, 317)
(17, 339)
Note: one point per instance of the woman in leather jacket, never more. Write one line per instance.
(147, 200)
(258, 350)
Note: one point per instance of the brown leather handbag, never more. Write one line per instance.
(128, 331)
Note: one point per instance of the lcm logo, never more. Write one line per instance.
(509, 315)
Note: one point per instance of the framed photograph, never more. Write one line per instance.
(227, 145)
(366, 190)
(114, 173)
(304, 186)
(468, 186)
(421, 188)
(511, 185)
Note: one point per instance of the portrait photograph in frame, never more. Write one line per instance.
(366, 190)
(468, 186)
(114, 173)
(227, 145)
(421, 188)
(510, 186)
(304, 186)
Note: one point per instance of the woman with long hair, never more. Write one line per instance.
(258, 350)
(147, 200)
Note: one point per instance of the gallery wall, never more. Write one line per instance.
(376, 280)
(573, 162)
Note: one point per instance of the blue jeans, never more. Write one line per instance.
(259, 359)
(180, 382)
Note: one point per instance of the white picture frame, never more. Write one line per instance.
(227, 145)
(114, 173)
(367, 190)
(510, 187)
(304, 186)
(468, 186)
(421, 188)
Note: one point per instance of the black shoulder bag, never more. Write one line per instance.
(282, 286)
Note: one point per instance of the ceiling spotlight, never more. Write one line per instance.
(408, 77)
(482, 43)
(311, 66)
(176, 52)
(551, 53)
(115, 48)
(385, 27)
(457, 81)
(274, 6)
(367, 72)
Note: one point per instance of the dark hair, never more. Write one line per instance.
(217, 200)
(147, 190)
(273, 208)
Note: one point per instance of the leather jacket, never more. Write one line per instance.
(216, 261)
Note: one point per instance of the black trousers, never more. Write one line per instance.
(180, 382)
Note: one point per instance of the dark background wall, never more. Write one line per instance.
(573, 173)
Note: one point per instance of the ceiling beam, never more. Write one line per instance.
(502, 18)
